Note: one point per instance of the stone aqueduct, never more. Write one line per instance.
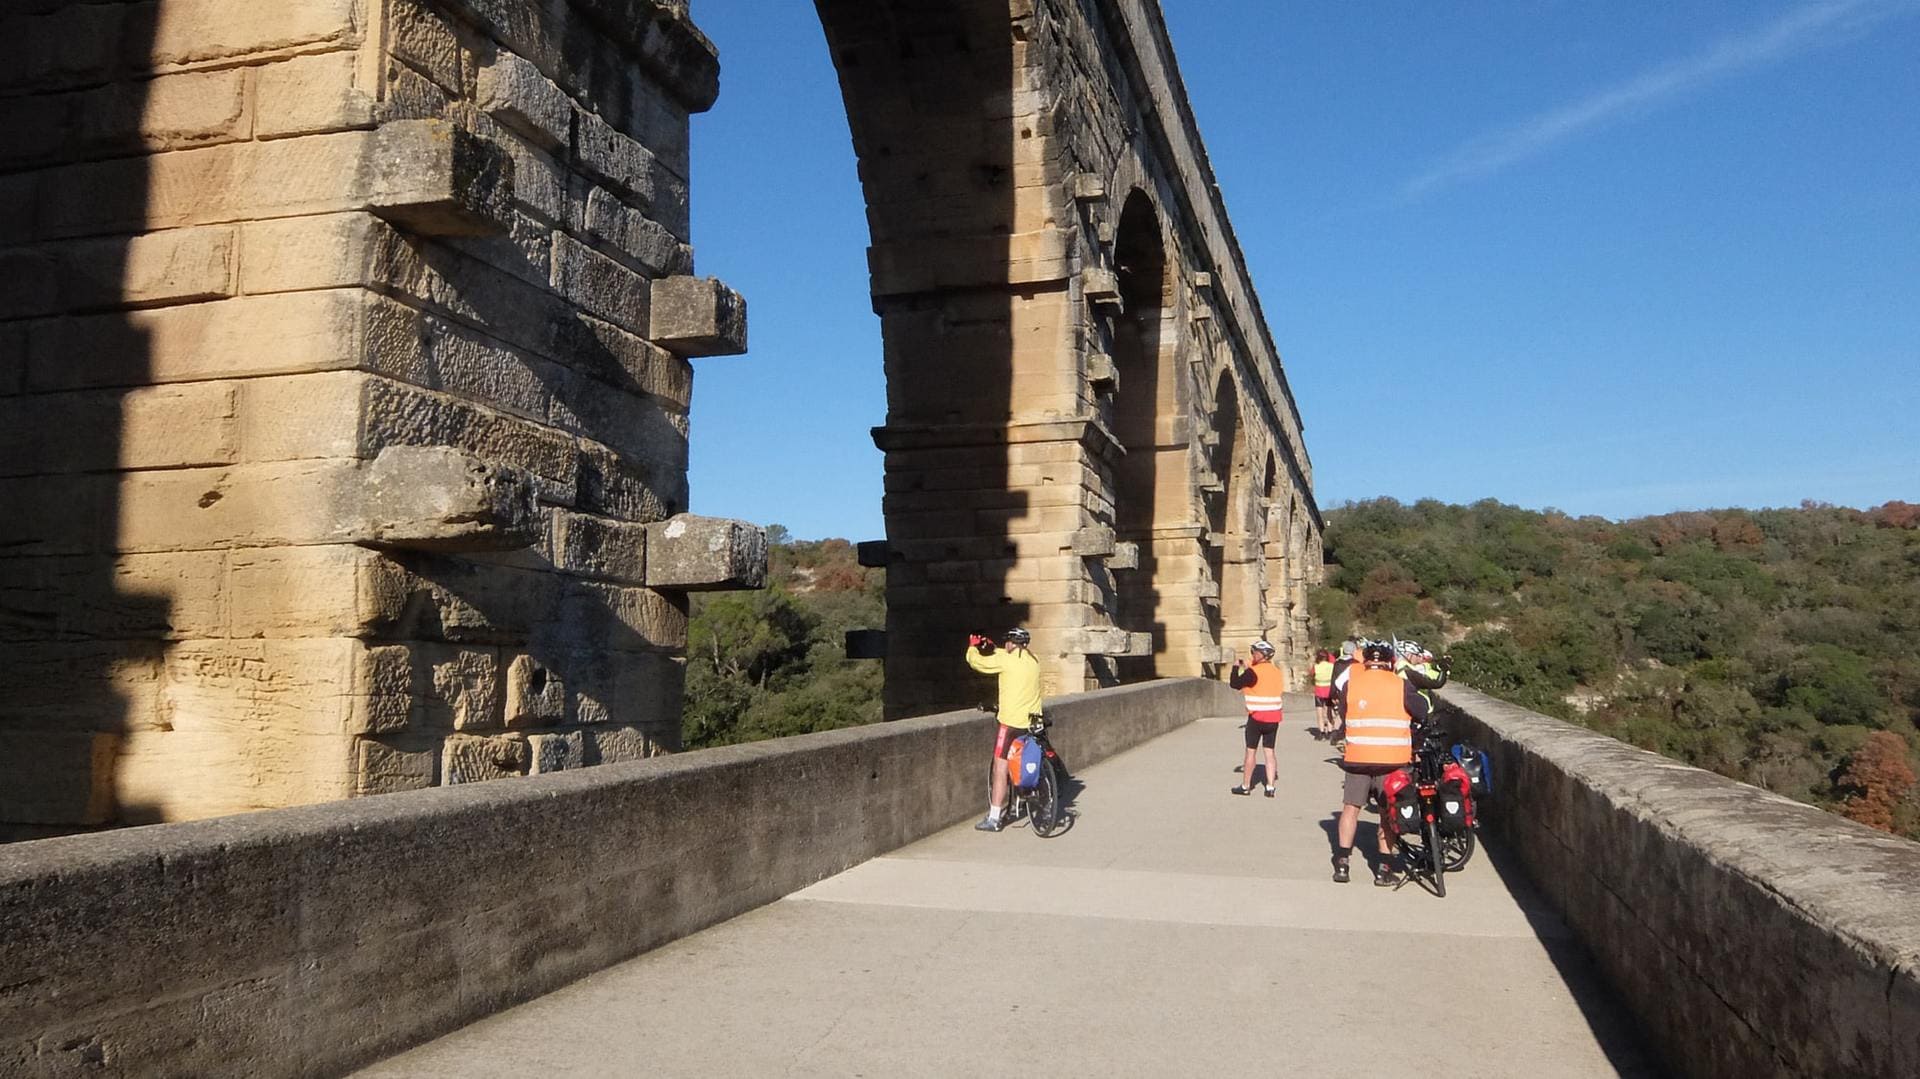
(344, 402)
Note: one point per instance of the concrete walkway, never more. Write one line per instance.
(1174, 930)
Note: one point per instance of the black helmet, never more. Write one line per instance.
(1016, 635)
(1378, 652)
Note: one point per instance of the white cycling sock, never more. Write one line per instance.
(993, 812)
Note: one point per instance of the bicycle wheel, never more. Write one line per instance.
(1459, 850)
(1436, 860)
(1044, 803)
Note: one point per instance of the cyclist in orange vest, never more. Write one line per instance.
(1382, 711)
(1262, 683)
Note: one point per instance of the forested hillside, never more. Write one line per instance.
(1780, 647)
(771, 663)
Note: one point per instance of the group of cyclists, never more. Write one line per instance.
(1370, 700)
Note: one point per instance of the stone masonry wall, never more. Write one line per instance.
(343, 410)
(307, 941)
(1751, 934)
(1060, 304)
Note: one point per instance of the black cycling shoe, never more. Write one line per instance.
(1242, 790)
(1384, 876)
(1340, 875)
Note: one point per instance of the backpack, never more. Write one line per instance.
(1453, 804)
(1023, 762)
(1479, 768)
(1402, 798)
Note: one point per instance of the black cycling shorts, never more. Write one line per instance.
(1261, 734)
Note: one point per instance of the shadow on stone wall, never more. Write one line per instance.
(82, 629)
(930, 97)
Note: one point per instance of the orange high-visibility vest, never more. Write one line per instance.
(1263, 696)
(1379, 729)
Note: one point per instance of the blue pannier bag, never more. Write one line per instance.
(1027, 754)
(1474, 761)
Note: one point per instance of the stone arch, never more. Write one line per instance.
(1233, 546)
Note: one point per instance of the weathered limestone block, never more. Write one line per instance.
(556, 752)
(514, 92)
(610, 157)
(600, 548)
(468, 758)
(172, 266)
(599, 285)
(1103, 375)
(536, 696)
(419, 36)
(464, 689)
(1124, 556)
(310, 95)
(382, 766)
(186, 31)
(434, 498)
(873, 554)
(634, 237)
(1107, 641)
(1093, 541)
(396, 414)
(431, 177)
(297, 502)
(1101, 287)
(611, 745)
(154, 596)
(690, 553)
(696, 316)
(159, 426)
(312, 331)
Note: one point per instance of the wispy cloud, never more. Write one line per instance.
(1800, 30)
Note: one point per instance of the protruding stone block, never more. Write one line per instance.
(1101, 287)
(1108, 641)
(866, 644)
(698, 554)
(873, 554)
(1102, 373)
(433, 498)
(1088, 188)
(1124, 556)
(698, 316)
(1093, 541)
(433, 178)
(1202, 279)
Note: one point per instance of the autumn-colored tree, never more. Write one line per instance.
(1896, 514)
(1876, 778)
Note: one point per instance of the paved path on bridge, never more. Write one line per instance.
(1174, 930)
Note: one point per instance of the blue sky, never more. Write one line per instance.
(1616, 259)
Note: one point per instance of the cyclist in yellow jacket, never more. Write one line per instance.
(1323, 693)
(1020, 699)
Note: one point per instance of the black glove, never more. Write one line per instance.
(1445, 663)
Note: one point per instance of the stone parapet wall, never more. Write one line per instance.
(1751, 934)
(306, 941)
(345, 370)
